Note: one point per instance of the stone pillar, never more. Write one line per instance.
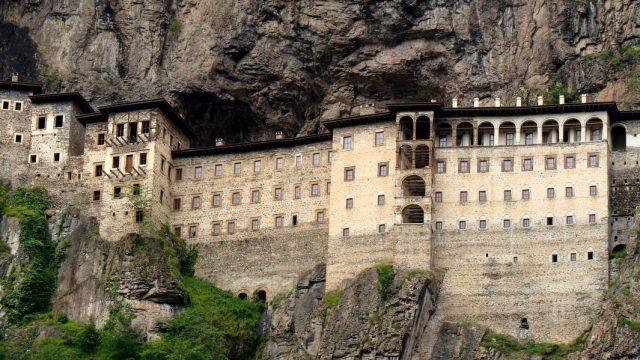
(475, 135)
(583, 134)
(454, 135)
(539, 137)
(560, 133)
(415, 122)
(496, 134)
(517, 137)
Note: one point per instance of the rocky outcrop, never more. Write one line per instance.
(241, 69)
(355, 323)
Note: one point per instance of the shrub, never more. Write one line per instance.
(632, 324)
(332, 299)
(385, 279)
(175, 24)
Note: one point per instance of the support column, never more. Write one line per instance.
(454, 135)
(414, 121)
(475, 136)
(560, 133)
(517, 137)
(539, 137)
(583, 134)
(496, 135)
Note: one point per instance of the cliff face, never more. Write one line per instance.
(240, 69)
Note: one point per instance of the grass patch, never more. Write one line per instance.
(385, 279)
(175, 24)
(633, 324)
(332, 299)
(618, 254)
(508, 345)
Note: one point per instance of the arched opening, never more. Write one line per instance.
(507, 133)
(486, 133)
(572, 131)
(423, 128)
(464, 134)
(413, 186)
(422, 156)
(618, 138)
(550, 132)
(529, 133)
(413, 214)
(242, 296)
(405, 131)
(619, 250)
(594, 129)
(405, 157)
(443, 134)
(262, 295)
(524, 324)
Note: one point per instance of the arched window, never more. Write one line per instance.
(405, 157)
(594, 129)
(486, 134)
(413, 214)
(405, 132)
(550, 132)
(262, 295)
(422, 156)
(443, 134)
(618, 138)
(464, 134)
(413, 186)
(242, 295)
(528, 133)
(507, 133)
(423, 128)
(572, 130)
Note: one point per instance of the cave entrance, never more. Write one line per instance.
(242, 296)
(262, 295)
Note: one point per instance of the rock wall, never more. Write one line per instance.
(241, 67)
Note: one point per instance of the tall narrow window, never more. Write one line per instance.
(441, 166)
(42, 123)
(297, 192)
(116, 162)
(315, 159)
(349, 203)
(482, 196)
(178, 174)
(509, 138)
(346, 142)
(277, 193)
(527, 164)
(255, 196)
(593, 160)
(237, 168)
(120, 130)
(315, 189)
(195, 202)
(593, 190)
(569, 162)
(568, 191)
(438, 196)
(528, 138)
(216, 229)
(143, 159)
(279, 221)
(298, 161)
(218, 170)
(525, 194)
(279, 163)
(380, 200)
(59, 121)
(463, 196)
(379, 138)
(551, 193)
(463, 166)
(320, 217)
(216, 200)
(257, 165)
(231, 228)
(383, 169)
(101, 139)
(255, 224)
(349, 174)
(146, 127)
(235, 198)
(198, 172)
(98, 171)
(507, 195)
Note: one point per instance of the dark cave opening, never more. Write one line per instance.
(18, 53)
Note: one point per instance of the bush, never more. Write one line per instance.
(508, 345)
(385, 279)
(632, 324)
(175, 24)
(332, 299)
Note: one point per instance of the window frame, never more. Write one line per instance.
(486, 161)
(441, 169)
(526, 159)
(350, 170)
(347, 142)
(375, 138)
(597, 162)
(506, 161)
(385, 166)
(464, 169)
(547, 164)
(567, 165)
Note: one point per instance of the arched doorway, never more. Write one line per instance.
(422, 156)
(464, 134)
(550, 132)
(413, 214)
(405, 157)
(262, 295)
(405, 131)
(242, 295)
(413, 186)
(594, 129)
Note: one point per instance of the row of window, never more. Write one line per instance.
(378, 140)
(41, 122)
(482, 224)
(17, 105)
(256, 195)
(507, 164)
(253, 225)
(382, 228)
(33, 158)
(115, 163)
(573, 256)
(525, 195)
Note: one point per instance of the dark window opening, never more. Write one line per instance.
(101, 139)
(413, 214)
(406, 129)
(145, 127)
(549, 220)
(96, 195)
(405, 157)
(242, 296)
(56, 157)
(133, 132)
(413, 186)
(618, 138)
(423, 128)
(120, 130)
(554, 258)
(294, 220)
(590, 255)
(262, 295)
(524, 324)
(422, 156)
(42, 123)
(139, 216)
(59, 121)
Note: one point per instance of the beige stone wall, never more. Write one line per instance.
(14, 156)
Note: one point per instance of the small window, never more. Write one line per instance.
(161, 196)
(379, 138)
(346, 142)
(315, 189)
(509, 138)
(178, 174)
(176, 204)
(56, 157)
(193, 231)
(568, 191)
(231, 228)
(549, 220)
(463, 196)
(120, 130)
(235, 198)
(482, 224)
(592, 218)
(380, 200)
(463, 166)
(345, 232)
(279, 222)
(441, 166)
(483, 165)
(216, 200)
(462, 225)
(589, 255)
(195, 202)
(146, 127)
(438, 225)
(218, 170)
(506, 223)
(349, 203)
(216, 229)
(237, 168)
(593, 190)
(482, 196)
(330, 157)
(551, 193)
(507, 195)
(320, 217)
(569, 220)
(572, 256)
(139, 216)
(569, 162)
(329, 188)
(18, 139)
(593, 160)
(298, 161)
(383, 169)
(294, 220)
(526, 223)
(279, 163)
(507, 165)
(277, 193)
(257, 165)
(526, 194)
(96, 195)
(197, 173)
(527, 164)
(382, 228)
(136, 189)
(255, 224)
(17, 106)
(554, 258)
(42, 123)
(98, 171)
(438, 196)
(59, 121)
(117, 192)
(349, 174)
(33, 159)
(315, 159)
(143, 159)
(255, 196)
(297, 192)
(550, 163)
(115, 163)
(5, 105)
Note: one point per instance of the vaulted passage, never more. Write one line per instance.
(422, 156)
(262, 295)
(406, 128)
(413, 186)
(423, 128)
(618, 138)
(413, 214)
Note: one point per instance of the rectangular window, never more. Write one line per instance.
(18, 139)
(315, 159)
(216, 229)
(216, 200)
(255, 224)
(298, 161)
(315, 189)
(146, 127)
(482, 196)
(525, 194)
(483, 165)
(507, 165)
(442, 141)
(136, 189)
(320, 217)
(507, 195)
(568, 191)
(117, 192)
(380, 200)
(297, 192)
(178, 174)
(176, 204)
(506, 223)
(218, 170)
(279, 221)
(98, 171)
(42, 123)
(349, 174)
(592, 218)
(463, 166)
(101, 139)
(382, 228)
(237, 168)
(255, 196)
(528, 138)
(462, 225)
(572, 256)
(554, 258)
(177, 230)
(235, 198)
(438, 225)
(17, 106)
(143, 159)
(569, 220)
(277, 193)
(279, 163)
(438, 196)
(120, 130)
(491, 139)
(589, 255)
(5, 105)
(139, 216)
(527, 164)
(349, 203)
(551, 193)
(231, 228)
(596, 135)
(33, 159)
(463, 196)
(550, 163)
(329, 188)
(482, 224)
(116, 162)
(197, 173)
(345, 232)
(96, 195)
(509, 139)
(569, 162)
(195, 202)
(346, 142)
(59, 121)
(593, 190)
(329, 156)
(526, 223)
(257, 165)
(383, 169)
(549, 220)
(441, 166)
(593, 160)
(379, 139)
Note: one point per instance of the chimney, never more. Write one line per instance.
(219, 141)
(476, 102)
(279, 135)
(519, 101)
(454, 102)
(14, 77)
(561, 100)
(367, 109)
(497, 102)
(583, 98)
(540, 100)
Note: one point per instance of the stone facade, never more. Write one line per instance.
(517, 207)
